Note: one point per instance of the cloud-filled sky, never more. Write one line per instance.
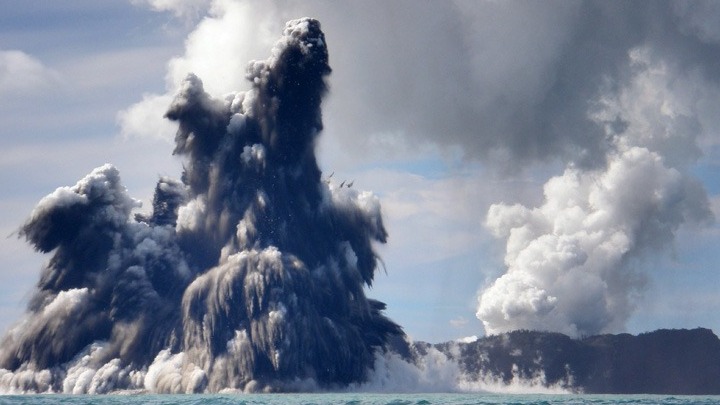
(545, 165)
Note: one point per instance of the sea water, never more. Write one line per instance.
(356, 399)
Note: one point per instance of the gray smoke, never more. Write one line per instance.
(510, 83)
(249, 273)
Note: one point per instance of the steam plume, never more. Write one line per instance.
(247, 274)
(570, 262)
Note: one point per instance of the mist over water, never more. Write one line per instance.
(248, 274)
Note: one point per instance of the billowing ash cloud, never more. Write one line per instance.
(572, 261)
(249, 273)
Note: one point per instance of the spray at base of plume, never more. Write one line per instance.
(433, 371)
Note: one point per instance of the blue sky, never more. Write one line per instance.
(441, 109)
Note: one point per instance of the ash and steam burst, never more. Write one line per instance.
(248, 274)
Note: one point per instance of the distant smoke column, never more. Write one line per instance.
(249, 273)
(570, 261)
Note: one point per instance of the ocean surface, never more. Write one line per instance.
(356, 399)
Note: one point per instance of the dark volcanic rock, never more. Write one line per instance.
(661, 362)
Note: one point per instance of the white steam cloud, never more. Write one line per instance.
(217, 50)
(570, 261)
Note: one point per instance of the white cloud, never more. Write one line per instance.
(181, 8)
(222, 44)
(146, 118)
(459, 322)
(217, 51)
(23, 73)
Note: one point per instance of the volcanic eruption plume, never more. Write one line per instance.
(249, 272)
(572, 262)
